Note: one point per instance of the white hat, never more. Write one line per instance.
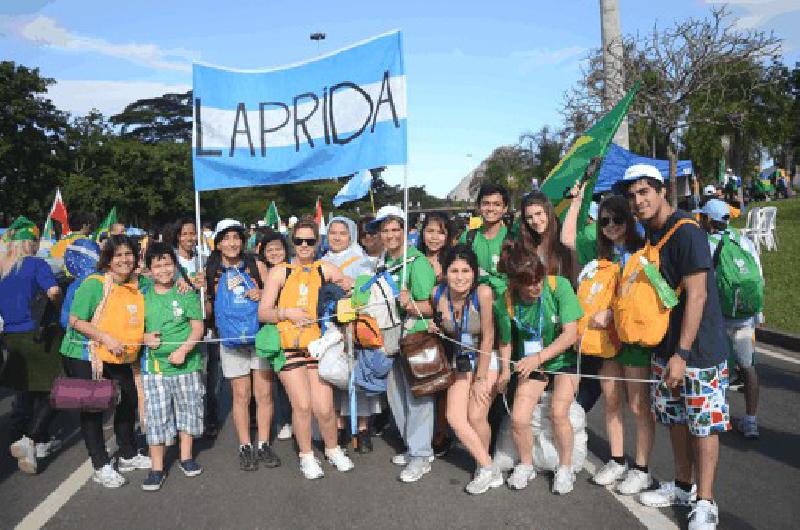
(292, 221)
(384, 212)
(261, 222)
(226, 224)
(709, 191)
(639, 171)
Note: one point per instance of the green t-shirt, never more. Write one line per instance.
(586, 244)
(87, 297)
(171, 314)
(420, 281)
(487, 250)
(560, 306)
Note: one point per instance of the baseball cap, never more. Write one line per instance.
(227, 224)
(384, 212)
(716, 210)
(638, 171)
(709, 191)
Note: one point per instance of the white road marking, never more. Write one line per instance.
(39, 516)
(651, 518)
(777, 355)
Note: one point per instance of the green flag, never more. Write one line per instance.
(593, 143)
(105, 226)
(721, 171)
(271, 218)
(48, 233)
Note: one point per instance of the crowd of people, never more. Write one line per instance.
(634, 305)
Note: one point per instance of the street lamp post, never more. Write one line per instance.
(317, 36)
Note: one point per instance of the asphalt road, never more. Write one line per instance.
(757, 485)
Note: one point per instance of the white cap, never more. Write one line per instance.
(226, 224)
(639, 171)
(261, 222)
(716, 210)
(292, 221)
(709, 191)
(385, 212)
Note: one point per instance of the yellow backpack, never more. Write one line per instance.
(639, 315)
(596, 293)
(301, 289)
(121, 315)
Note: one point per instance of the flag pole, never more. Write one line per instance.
(405, 224)
(199, 230)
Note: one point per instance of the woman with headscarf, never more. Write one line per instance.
(346, 254)
(31, 365)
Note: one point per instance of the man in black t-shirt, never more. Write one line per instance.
(691, 360)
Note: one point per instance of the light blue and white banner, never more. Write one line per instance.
(324, 118)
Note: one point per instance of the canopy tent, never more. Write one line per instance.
(618, 159)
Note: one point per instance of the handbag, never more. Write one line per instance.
(85, 395)
(426, 363)
(334, 366)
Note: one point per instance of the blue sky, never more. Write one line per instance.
(479, 73)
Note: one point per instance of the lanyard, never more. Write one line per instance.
(464, 324)
(537, 333)
(623, 255)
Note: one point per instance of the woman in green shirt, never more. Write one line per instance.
(540, 327)
(118, 258)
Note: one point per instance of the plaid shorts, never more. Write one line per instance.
(702, 403)
(173, 403)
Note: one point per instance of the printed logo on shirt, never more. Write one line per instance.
(177, 310)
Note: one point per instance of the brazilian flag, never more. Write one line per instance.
(572, 166)
(105, 227)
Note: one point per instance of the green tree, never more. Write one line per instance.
(166, 118)
(32, 148)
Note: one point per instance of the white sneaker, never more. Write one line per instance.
(635, 481)
(749, 429)
(310, 467)
(139, 461)
(417, 467)
(519, 478)
(402, 459)
(668, 494)
(286, 432)
(24, 451)
(609, 473)
(339, 460)
(108, 477)
(485, 478)
(564, 480)
(704, 516)
(51, 447)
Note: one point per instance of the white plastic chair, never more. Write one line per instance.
(751, 225)
(766, 233)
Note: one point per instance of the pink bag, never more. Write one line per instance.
(86, 395)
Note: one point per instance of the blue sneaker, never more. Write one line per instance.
(190, 467)
(154, 480)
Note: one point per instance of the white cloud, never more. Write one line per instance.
(109, 97)
(757, 14)
(530, 59)
(45, 31)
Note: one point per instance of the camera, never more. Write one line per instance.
(463, 363)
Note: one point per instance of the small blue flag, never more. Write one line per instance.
(356, 187)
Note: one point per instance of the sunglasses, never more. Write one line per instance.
(309, 241)
(617, 220)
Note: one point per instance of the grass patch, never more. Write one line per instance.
(782, 268)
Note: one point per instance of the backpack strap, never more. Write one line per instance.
(470, 239)
(672, 230)
(437, 295)
(349, 261)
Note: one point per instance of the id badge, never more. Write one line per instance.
(533, 346)
(466, 339)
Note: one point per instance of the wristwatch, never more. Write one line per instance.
(683, 353)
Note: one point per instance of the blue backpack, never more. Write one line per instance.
(236, 315)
